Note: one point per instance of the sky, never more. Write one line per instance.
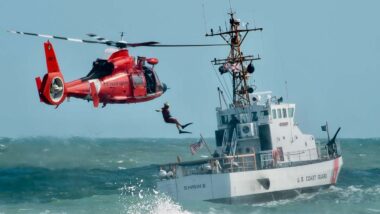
(327, 51)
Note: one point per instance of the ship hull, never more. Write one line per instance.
(269, 196)
(254, 186)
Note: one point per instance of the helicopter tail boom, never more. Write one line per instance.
(51, 60)
(51, 88)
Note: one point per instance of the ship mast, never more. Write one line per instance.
(235, 63)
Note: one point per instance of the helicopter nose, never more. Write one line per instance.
(164, 87)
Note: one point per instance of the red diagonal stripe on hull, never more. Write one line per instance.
(335, 171)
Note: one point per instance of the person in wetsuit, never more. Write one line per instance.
(169, 119)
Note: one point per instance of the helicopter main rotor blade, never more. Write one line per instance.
(119, 44)
(151, 43)
(185, 45)
(99, 38)
(57, 37)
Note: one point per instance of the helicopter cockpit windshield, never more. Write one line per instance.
(100, 68)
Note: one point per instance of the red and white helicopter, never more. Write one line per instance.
(119, 79)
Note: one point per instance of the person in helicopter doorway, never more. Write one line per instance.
(150, 80)
(169, 119)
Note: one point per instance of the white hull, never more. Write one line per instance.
(225, 187)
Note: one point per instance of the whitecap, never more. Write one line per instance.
(2, 147)
(141, 194)
(274, 203)
(373, 210)
(354, 188)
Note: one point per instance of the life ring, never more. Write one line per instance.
(275, 156)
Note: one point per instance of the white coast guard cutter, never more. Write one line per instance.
(261, 152)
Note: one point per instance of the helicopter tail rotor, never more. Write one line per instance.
(52, 87)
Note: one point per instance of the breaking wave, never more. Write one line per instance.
(139, 200)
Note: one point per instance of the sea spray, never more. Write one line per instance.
(137, 199)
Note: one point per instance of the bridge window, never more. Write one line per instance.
(265, 113)
(274, 115)
(284, 113)
(254, 116)
(279, 113)
(291, 112)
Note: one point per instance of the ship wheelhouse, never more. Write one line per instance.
(264, 128)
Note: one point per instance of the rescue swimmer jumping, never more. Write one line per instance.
(169, 119)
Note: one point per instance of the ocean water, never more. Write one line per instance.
(86, 175)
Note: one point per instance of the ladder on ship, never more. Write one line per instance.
(231, 143)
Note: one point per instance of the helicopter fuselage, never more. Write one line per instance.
(119, 79)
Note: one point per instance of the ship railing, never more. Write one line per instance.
(226, 164)
(302, 155)
(246, 162)
(238, 163)
(266, 159)
(324, 152)
(272, 159)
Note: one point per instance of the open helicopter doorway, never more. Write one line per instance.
(150, 78)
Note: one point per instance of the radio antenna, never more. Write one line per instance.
(286, 90)
(229, 1)
(204, 16)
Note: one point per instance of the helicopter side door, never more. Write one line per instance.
(138, 85)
